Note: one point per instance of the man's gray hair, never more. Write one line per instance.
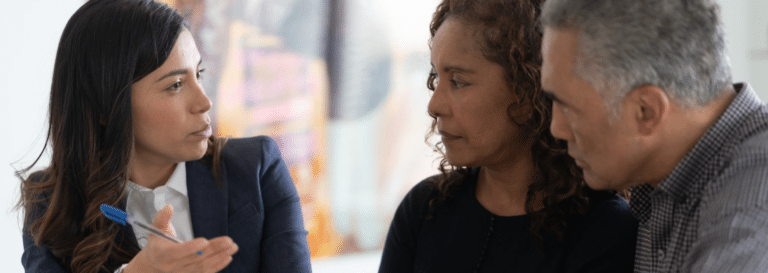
(676, 45)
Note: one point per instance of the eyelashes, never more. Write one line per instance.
(434, 79)
(458, 84)
(176, 86)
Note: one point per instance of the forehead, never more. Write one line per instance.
(183, 56)
(184, 51)
(559, 57)
(558, 76)
(453, 38)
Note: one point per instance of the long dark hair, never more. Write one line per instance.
(106, 46)
(508, 36)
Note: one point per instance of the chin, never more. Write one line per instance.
(451, 159)
(197, 152)
(597, 183)
(459, 162)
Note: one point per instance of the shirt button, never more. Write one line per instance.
(142, 242)
(159, 200)
(661, 254)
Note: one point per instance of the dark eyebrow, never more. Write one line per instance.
(458, 69)
(177, 72)
(551, 96)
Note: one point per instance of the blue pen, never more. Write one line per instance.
(122, 217)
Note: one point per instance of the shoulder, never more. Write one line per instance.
(416, 203)
(746, 148)
(609, 212)
(751, 151)
(604, 237)
(608, 203)
(429, 187)
(426, 200)
(246, 147)
(422, 192)
(38, 176)
(743, 182)
(37, 203)
(246, 153)
(745, 170)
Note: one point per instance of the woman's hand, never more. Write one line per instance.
(161, 255)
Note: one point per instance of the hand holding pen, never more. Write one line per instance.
(165, 253)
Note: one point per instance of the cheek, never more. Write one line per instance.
(580, 134)
(156, 119)
(486, 122)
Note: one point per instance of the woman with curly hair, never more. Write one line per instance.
(129, 127)
(509, 198)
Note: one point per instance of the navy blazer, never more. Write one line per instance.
(256, 205)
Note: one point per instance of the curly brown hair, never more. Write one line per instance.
(106, 46)
(509, 36)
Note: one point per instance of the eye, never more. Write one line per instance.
(457, 83)
(432, 80)
(175, 86)
(200, 74)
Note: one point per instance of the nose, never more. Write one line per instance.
(438, 104)
(559, 127)
(201, 101)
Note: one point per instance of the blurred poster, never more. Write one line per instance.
(266, 75)
(379, 116)
(350, 123)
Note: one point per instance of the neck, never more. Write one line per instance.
(150, 175)
(687, 127)
(502, 190)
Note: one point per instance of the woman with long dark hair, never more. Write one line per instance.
(509, 198)
(128, 127)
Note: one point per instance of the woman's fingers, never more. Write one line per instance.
(217, 262)
(163, 219)
(215, 257)
(223, 244)
(216, 246)
(174, 257)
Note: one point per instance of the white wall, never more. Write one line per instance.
(30, 31)
(746, 28)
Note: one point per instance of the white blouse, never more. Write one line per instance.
(143, 203)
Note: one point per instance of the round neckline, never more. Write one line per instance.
(472, 182)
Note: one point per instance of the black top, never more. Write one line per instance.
(462, 236)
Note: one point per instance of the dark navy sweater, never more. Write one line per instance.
(462, 236)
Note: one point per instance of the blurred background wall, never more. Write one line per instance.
(340, 84)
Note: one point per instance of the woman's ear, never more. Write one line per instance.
(521, 112)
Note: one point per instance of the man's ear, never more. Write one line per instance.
(650, 106)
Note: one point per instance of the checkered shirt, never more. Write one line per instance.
(710, 214)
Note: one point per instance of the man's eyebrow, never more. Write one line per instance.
(551, 96)
(177, 72)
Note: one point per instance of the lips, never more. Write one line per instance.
(447, 136)
(207, 131)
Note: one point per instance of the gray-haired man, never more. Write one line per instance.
(642, 93)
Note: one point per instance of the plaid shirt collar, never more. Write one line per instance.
(691, 175)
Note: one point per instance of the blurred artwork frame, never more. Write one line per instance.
(343, 98)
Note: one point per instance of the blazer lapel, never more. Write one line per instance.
(207, 201)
